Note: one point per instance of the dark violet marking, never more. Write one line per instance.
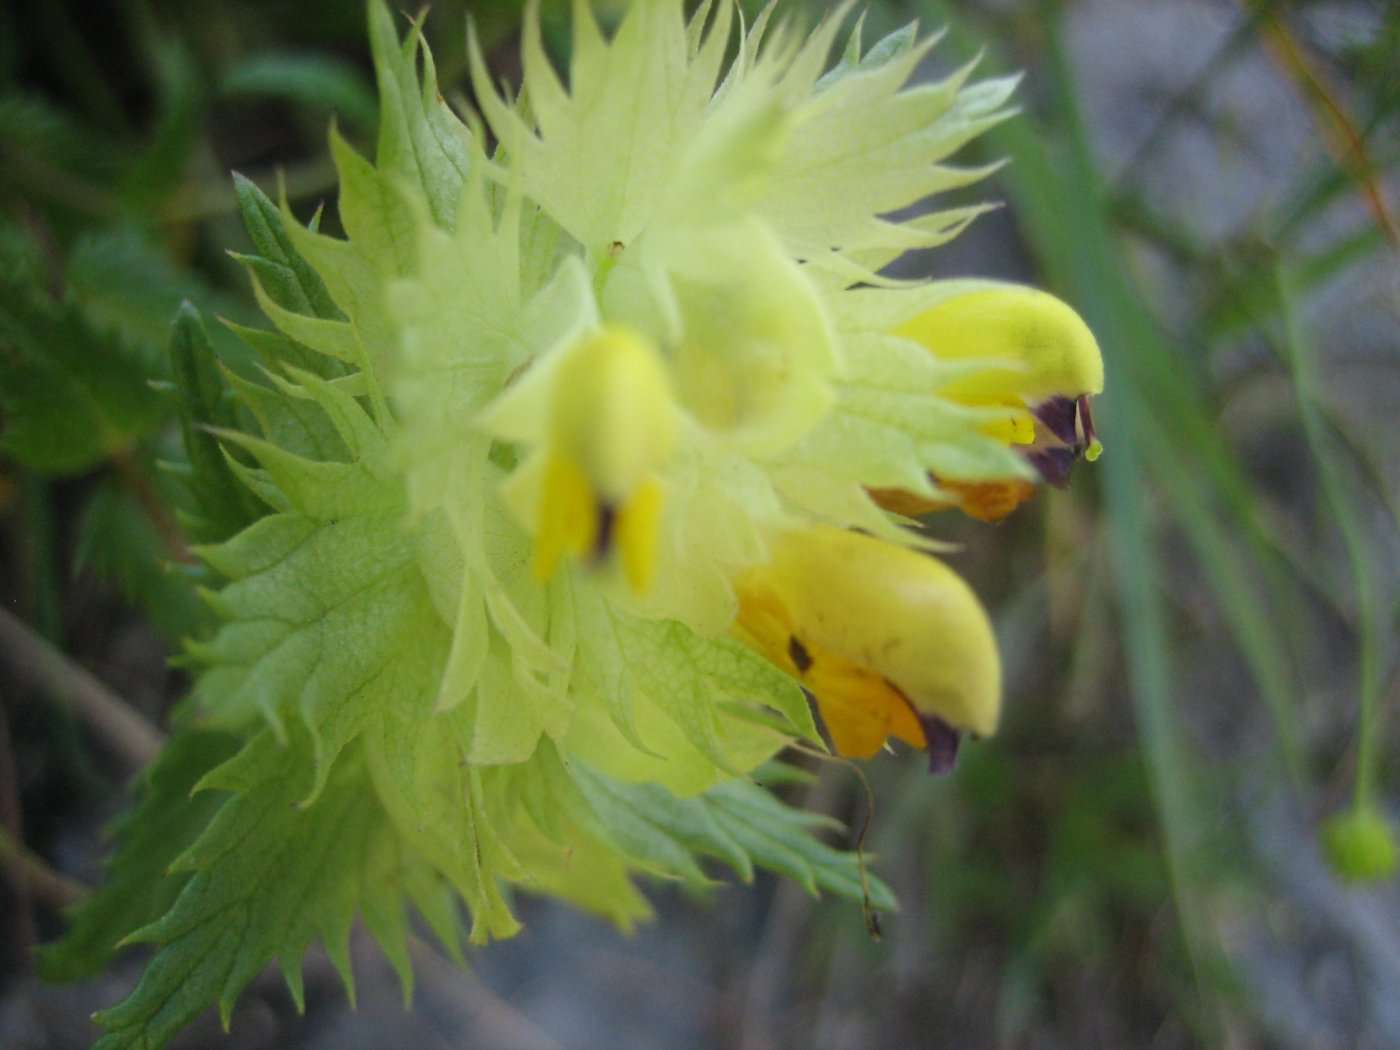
(941, 738)
(943, 741)
(607, 519)
(797, 652)
(1059, 414)
(1054, 464)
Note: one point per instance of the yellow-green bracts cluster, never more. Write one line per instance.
(629, 397)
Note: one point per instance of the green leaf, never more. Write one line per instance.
(690, 676)
(118, 542)
(779, 838)
(139, 888)
(336, 341)
(656, 701)
(736, 822)
(286, 276)
(656, 830)
(421, 141)
(328, 623)
(301, 427)
(437, 801)
(218, 504)
(308, 79)
(267, 877)
(71, 396)
(160, 169)
(32, 126)
(21, 256)
(378, 218)
(126, 284)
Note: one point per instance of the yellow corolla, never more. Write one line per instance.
(890, 642)
(612, 427)
(1053, 368)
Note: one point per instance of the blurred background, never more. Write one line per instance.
(1192, 633)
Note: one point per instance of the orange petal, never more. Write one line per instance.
(860, 709)
(989, 501)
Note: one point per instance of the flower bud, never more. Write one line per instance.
(1360, 845)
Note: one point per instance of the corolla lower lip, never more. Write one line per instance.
(943, 741)
(1054, 464)
(1061, 417)
(1068, 437)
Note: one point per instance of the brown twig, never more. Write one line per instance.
(50, 888)
(37, 664)
(21, 921)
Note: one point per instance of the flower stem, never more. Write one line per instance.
(1343, 511)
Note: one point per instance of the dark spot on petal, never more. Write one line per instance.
(1054, 464)
(798, 654)
(607, 520)
(943, 742)
(1059, 415)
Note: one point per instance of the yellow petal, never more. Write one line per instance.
(569, 514)
(638, 523)
(1047, 346)
(859, 708)
(613, 412)
(612, 425)
(1017, 427)
(873, 630)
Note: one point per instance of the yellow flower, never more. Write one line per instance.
(890, 642)
(1046, 367)
(609, 426)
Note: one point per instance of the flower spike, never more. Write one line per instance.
(572, 447)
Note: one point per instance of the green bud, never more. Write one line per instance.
(1360, 846)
